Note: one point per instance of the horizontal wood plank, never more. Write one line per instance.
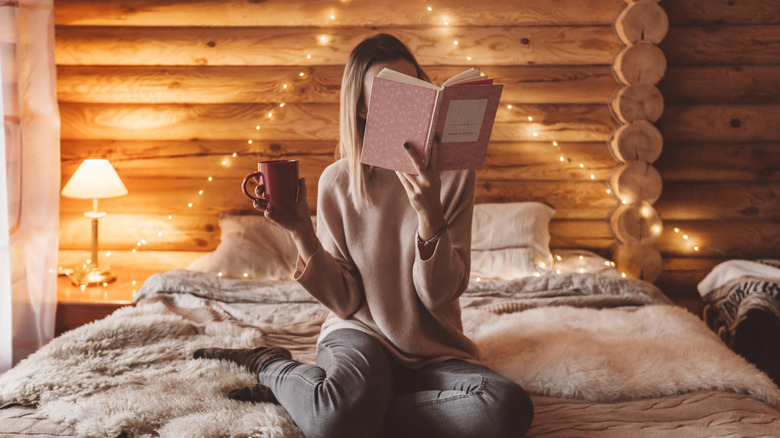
(150, 231)
(722, 45)
(504, 160)
(173, 196)
(739, 84)
(516, 45)
(686, 12)
(321, 84)
(319, 13)
(721, 238)
(720, 123)
(710, 162)
(719, 201)
(307, 121)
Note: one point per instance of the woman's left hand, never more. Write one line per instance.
(424, 191)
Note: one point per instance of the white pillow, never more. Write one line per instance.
(513, 225)
(250, 244)
(506, 264)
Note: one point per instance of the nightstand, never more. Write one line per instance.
(77, 306)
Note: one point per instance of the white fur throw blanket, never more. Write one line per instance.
(132, 372)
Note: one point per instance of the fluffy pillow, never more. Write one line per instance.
(513, 225)
(505, 264)
(250, 247)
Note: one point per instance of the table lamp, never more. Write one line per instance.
(94, 179)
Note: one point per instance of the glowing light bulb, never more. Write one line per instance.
(170, 217)
(301, 74)
(246, 275)
(219, 274)
(258, 128)
(581, 165)
(624, 202)
(562, 159)
(281, 105)
(468, 58)
(455, 42)
(536, 134)
(108, 253)
(559, 258)
(676, 230)
(430, 9)
(133, 282)
(210, 179)
(530, 119)
(657, 229)
(509, 107)
(284, 86)
(581, 258)
(555, 143)
(685, 236)
(609, 191)
(695, 248)
(200, 192)
(250, 141)
(189, 205)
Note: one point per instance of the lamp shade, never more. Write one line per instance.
(94, 179)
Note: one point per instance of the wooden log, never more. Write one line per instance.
(719, 200)
(309, 121)
(639, 63)
(153, 261)
(263, 84)
(638, 141)
(723, 162)
(201, 232)
(722, 45)
(733, 239)
(636, 181)
(638, 261)
(720, 123)
(319, 12)
(571, 199)
(636, 223)
(691, 12)
(637, 102)
(642, 20)
(507, 161)
(738, 84)
(558, 45)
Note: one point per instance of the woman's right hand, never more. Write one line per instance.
(296, 221)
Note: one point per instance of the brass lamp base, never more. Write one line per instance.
(92, 275)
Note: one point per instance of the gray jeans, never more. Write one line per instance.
(355, 390)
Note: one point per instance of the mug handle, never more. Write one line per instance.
(263, 202)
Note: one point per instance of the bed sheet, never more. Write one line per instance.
(564, 338)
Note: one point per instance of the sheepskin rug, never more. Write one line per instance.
(132, 372)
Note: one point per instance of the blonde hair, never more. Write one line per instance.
(376, 49)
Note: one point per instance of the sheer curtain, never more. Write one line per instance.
(29, 178)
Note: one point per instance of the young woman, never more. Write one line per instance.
(390, 259)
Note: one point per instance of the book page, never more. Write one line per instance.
(464, 120)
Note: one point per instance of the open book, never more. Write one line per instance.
(406, 109)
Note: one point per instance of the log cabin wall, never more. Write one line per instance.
(721, 128)
(172, 94)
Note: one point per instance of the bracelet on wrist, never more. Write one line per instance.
(433, 239)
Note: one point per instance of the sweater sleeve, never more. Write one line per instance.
(442, 278)
(330, 275)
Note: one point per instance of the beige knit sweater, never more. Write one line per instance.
(368, 272)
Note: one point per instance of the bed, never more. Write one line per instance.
(602, 355)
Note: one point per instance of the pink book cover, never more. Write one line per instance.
(397, 113)
(464, 124)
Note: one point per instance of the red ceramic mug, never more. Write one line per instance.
(278, 182)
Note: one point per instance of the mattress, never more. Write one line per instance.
(601, 356)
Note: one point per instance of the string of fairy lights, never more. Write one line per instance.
(285, 86)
